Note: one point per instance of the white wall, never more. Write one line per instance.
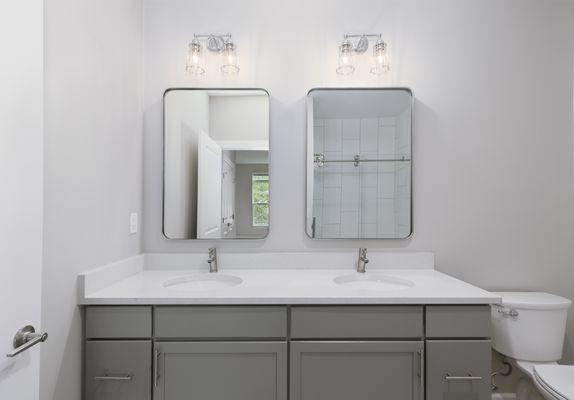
(93, 164)
(240, 118)
(252, 157)
(186, 114)
(493, 121)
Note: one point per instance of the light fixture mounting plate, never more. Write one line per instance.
(215, 43)
(362, 45)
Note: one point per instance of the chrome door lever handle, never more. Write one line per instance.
(26, 338)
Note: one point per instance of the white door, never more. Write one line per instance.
(21, 175)
(228, 198)
(209, 176)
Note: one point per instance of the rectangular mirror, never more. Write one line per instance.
(359, 163)
(216, 164)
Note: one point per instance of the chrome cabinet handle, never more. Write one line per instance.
(156, 368)
(26, 338)
(127, 377)
(469, 377)
(421, 374)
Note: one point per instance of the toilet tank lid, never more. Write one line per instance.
(533, 300)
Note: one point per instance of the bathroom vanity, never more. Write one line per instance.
(285, 326)
(297, 334)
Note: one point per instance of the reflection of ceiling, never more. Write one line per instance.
(236, 92)
(349, 103)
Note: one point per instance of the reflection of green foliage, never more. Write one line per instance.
(260, 199)
(260, 215)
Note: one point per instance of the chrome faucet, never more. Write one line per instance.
(212, 260)
(362, 261)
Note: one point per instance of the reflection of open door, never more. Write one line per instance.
(209, 161)
(228, 197)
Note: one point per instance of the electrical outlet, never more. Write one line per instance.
(133, 223)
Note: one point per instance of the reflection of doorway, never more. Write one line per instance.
(252, 193)
(260, 199)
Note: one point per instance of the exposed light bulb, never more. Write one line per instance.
(193, 63)
(381, 63)
(229, 66)
(346, 62)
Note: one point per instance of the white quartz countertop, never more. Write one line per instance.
(285, 286)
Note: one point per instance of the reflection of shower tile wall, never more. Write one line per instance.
(365, 201)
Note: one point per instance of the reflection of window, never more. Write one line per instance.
(260, 199)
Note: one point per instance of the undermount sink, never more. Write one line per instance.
(368, 281)
(198, 282)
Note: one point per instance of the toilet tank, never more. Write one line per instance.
(530, 326)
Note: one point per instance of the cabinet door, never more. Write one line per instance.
(118, 370)
(220, 371)
(458, 369)
(356, 370)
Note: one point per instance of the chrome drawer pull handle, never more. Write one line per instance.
(127, 377)
(469, 377)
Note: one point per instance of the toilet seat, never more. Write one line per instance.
(527, 367)
(555, 381)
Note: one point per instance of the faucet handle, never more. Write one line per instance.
(212, 260)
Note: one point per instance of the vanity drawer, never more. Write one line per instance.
(355, 322)
(104, 322)
(221, 322)
(458, 369)
(458, 321)
(118, 370)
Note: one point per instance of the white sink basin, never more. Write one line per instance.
(200, 282)
(373, 281)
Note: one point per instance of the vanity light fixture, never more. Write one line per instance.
(359, 44)
(193, 65)
(214, 43)
(229, 66)
(346, 60)
(380, 58)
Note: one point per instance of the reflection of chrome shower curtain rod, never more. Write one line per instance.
(320, 160)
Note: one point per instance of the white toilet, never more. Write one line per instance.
(529, 329)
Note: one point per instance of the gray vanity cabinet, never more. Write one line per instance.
(118, 370)
(458, 369)
(221, 371)
(358, 352)
(356, 370)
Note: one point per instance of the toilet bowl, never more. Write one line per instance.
(529, 329)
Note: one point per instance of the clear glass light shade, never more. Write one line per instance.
(381, 63)
(346, 64)
(229, 65)
(194, 62)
